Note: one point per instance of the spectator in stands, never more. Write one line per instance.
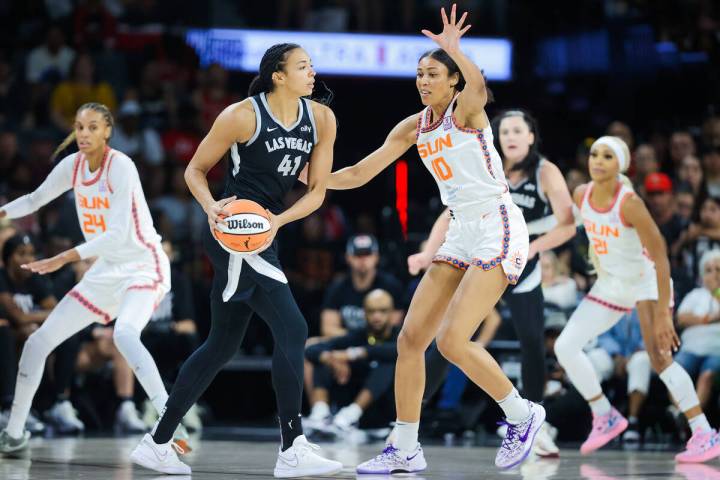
(699, 238)
(622, 130)
(355, 371)
(213, 95)
(26, 300)
(699, 314)
(95, 27)
(646, 162)
(13, 99)
(342, 308)
(558, 288)
(143, 145)
(10, 158)
(685, 202)
(691, 172)
(7, 230)
(711, 164)
(82, 87)
(185, 216)
(659, 196)
(47, 65)
(620, 354)
(171, 336)
(711, 132)
(682, 144)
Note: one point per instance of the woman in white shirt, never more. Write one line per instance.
(699, 315)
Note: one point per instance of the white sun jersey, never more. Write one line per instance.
(616, 244)
(463, 161)
(111, 207)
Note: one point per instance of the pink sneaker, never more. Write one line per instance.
(604, 428)
(701, 447)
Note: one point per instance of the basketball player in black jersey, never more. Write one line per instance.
(537, 186)
(270, 137)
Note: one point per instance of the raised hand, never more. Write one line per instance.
(449, 38)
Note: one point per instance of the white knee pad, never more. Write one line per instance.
(602, 363)
(680, 386)
(639, 371)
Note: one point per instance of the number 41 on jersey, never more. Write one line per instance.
(289, 167)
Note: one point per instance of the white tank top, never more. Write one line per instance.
(616, 244)
(463, 161)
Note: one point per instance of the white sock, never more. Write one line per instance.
(601, 406)
(320, 409)
(354, 411)
(515, 407)
(407, 435)
(699, 421)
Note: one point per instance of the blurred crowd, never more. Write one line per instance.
(346, 265)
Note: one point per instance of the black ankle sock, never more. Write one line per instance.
(290, 429)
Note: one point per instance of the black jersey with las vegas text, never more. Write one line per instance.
(266, 167)
(529, 196)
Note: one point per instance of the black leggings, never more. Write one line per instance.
(526, 311)
(278, 309)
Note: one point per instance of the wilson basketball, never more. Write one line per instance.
(247, 227)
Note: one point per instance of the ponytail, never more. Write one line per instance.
(65, 143)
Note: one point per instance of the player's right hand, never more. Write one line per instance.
(216, 214)
(418, 262)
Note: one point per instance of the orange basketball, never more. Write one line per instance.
(247, 227)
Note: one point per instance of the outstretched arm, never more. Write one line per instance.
(474, 96)
(397, 142)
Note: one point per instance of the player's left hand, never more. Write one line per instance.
(47, 265)
(449, 38)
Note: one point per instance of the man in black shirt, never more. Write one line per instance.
(342, 308)
(356, 370)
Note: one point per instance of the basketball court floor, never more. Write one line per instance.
(107, 458)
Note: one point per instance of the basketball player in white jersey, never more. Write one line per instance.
(485, 250)
(633, 272)
(130, 277)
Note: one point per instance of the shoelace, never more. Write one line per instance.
(387, 454)
(509, 439)
(175, 446)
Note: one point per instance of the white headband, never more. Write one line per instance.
(616, 146)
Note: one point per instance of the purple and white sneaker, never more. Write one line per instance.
(392, 461)
(520, 437)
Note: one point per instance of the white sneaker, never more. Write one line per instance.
(128, 420)
(319, 417)
(64, 417)
(300, 460)
(149, 415)
(347, 418)
(544, 445)
(392, 461)
(161, 458)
